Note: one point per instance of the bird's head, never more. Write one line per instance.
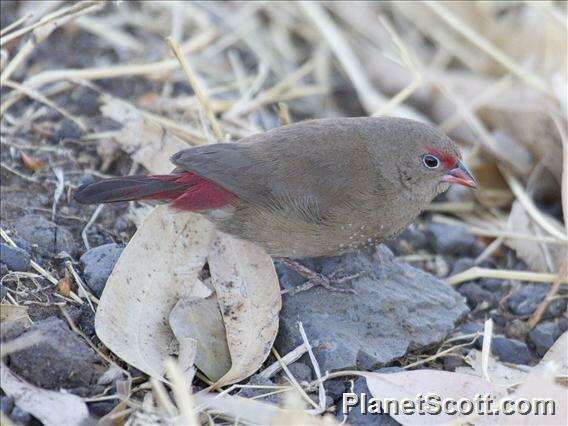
(419, 158)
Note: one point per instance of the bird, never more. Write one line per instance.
(315, 188)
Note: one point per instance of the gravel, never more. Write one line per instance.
(397, 308)
(97, 265)
(475, 295)
(302, 372)
(524, 302)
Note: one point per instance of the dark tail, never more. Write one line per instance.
(128, 188)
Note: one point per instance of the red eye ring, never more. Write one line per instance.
(431, 161)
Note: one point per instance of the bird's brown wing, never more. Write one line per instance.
(311, 166)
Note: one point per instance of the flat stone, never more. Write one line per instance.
(15, 258)
(97, 265)
(61, 360)
(397, 308)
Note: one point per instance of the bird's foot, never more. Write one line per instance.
(314, 279)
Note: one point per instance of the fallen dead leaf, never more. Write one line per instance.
(159, 266)
(14, 313)
(49, 407)
(500, 374)
(186, 321)
(30, 163)
(248, 293)
(444, 384)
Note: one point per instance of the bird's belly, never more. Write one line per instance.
(288, 237)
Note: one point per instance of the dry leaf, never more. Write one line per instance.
(558, 354)
(532, 253)
(248, 292)
(64, 285)
(186, 321)
(160, 265)
(30, 163)
(49, 407)
(409, 384)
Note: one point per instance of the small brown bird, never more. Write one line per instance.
(310, 189)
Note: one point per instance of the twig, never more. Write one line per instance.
(476, 272)
(199, 92)
(486, 46)
(321, 390)
(562, 277)
(92, 220)
(440, 354)
(486, 348)
(289, 358)
(369, 96)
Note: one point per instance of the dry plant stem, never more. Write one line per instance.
(25, 341)
(181, 390)
(440, 354)
(293, 380)
(562, 277)
(289, 358)
(486, 348)
(42, 32)
(155, 68)
(199, 92)
(92, 220)
(531, 209)
(369, 96)
(162, 397)
(321, 390)
(489, 48)
(417, 80)
(476, 272)
(13, 25)
(37, 96)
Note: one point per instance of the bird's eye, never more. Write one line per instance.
(430, 161)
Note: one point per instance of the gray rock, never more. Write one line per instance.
(452, 240)
(61, 360)
(97, 265)
(397, 308)
(334, 388)
(524, 302)
(46, 235)
(512, 351)
(543, 336)
(15, 258)
(3, 291)
(301, 371)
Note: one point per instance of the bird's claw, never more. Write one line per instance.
(325, 282)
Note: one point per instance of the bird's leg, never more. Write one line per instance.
(315, 279)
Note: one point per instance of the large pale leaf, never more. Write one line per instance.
(159, 266)
(49, 407)
(409, 384)
(249, 297)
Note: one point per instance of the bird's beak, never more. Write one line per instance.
(461, 176)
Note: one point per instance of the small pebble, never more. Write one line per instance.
(98, 263)
(512, 351)
(451, 240)
(543, 336)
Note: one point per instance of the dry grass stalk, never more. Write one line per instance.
(476, 273)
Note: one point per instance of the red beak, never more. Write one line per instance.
(461, 176)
